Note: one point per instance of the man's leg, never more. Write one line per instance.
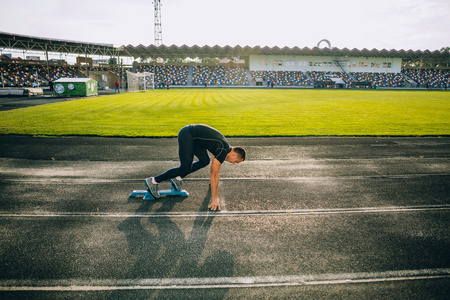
(186, 154)
(203, 158)
(186, 151)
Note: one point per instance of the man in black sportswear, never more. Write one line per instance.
(197, 140)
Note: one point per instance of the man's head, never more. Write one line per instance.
(236, 155)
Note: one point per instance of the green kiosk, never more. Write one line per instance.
(67, 87)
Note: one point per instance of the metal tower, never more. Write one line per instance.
(158, 26)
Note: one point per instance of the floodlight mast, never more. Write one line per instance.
(158, 26)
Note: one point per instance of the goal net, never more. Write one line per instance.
(140, 81)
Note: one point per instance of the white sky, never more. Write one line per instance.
(389, 24)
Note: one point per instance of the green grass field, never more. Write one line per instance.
(240, 112)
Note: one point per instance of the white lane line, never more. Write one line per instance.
(220, 282)
(255, 179)
(225, 213)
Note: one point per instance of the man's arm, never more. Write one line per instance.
(214, 182)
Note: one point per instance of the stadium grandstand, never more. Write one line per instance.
(195, 66)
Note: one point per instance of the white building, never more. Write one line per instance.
(324, 64)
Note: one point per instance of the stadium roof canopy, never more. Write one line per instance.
(13, 41)
(28, 43)
(184, 51)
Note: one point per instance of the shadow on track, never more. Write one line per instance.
(170, 254)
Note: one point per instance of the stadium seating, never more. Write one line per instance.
(282, 78)
(22, 75)
(381, 79)
(167, 74)
(120, 72)
(429, 78)
(219, 75)
(26, 76)
(59, 72)
(325, 76)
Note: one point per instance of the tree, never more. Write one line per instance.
(112, 61)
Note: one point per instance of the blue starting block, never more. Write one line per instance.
(148, 196)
